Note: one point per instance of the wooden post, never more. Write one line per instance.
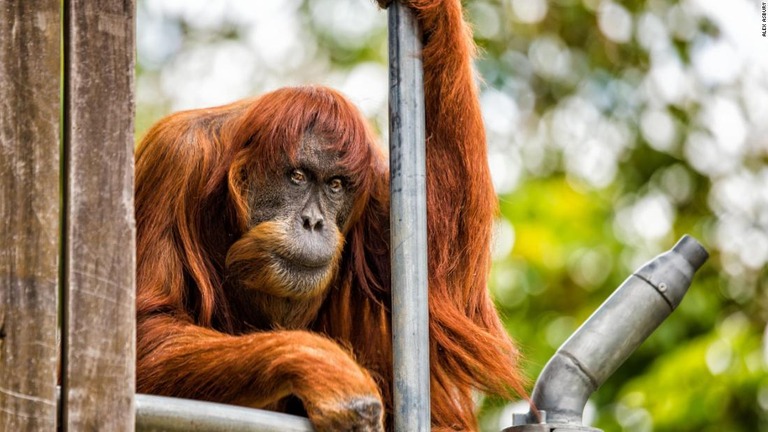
(98, 338)
(29, 212)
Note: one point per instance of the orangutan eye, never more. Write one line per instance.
(298, 177)
(336, 185)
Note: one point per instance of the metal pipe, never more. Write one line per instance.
(169, 414)
(158, 413)
(609, 336)
(408, 223)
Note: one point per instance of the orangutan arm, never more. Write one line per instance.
(257, 370)
(469, 347)
(461, 199)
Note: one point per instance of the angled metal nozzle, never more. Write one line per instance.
(609, 336)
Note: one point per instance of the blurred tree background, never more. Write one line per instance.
(613, 129)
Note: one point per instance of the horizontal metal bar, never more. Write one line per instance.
(159, 413)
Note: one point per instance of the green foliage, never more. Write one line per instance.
(576, 239)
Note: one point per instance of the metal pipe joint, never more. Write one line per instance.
(594, 352)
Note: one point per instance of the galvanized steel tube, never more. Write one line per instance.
(166, 414)
(614, 331)
(408, 223)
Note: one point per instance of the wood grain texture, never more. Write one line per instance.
(99, 254)
(29, 212)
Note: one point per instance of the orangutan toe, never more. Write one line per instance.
(360, 414)
(368, 413)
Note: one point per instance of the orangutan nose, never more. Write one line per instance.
(312, 217)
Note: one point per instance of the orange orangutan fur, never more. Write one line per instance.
(193, 170)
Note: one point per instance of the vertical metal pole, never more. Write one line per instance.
(408, 216)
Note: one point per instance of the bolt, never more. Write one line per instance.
(662, 287)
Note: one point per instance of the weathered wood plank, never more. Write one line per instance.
(99, 253)
(29, 212)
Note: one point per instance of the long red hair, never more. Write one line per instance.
(192, 178)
